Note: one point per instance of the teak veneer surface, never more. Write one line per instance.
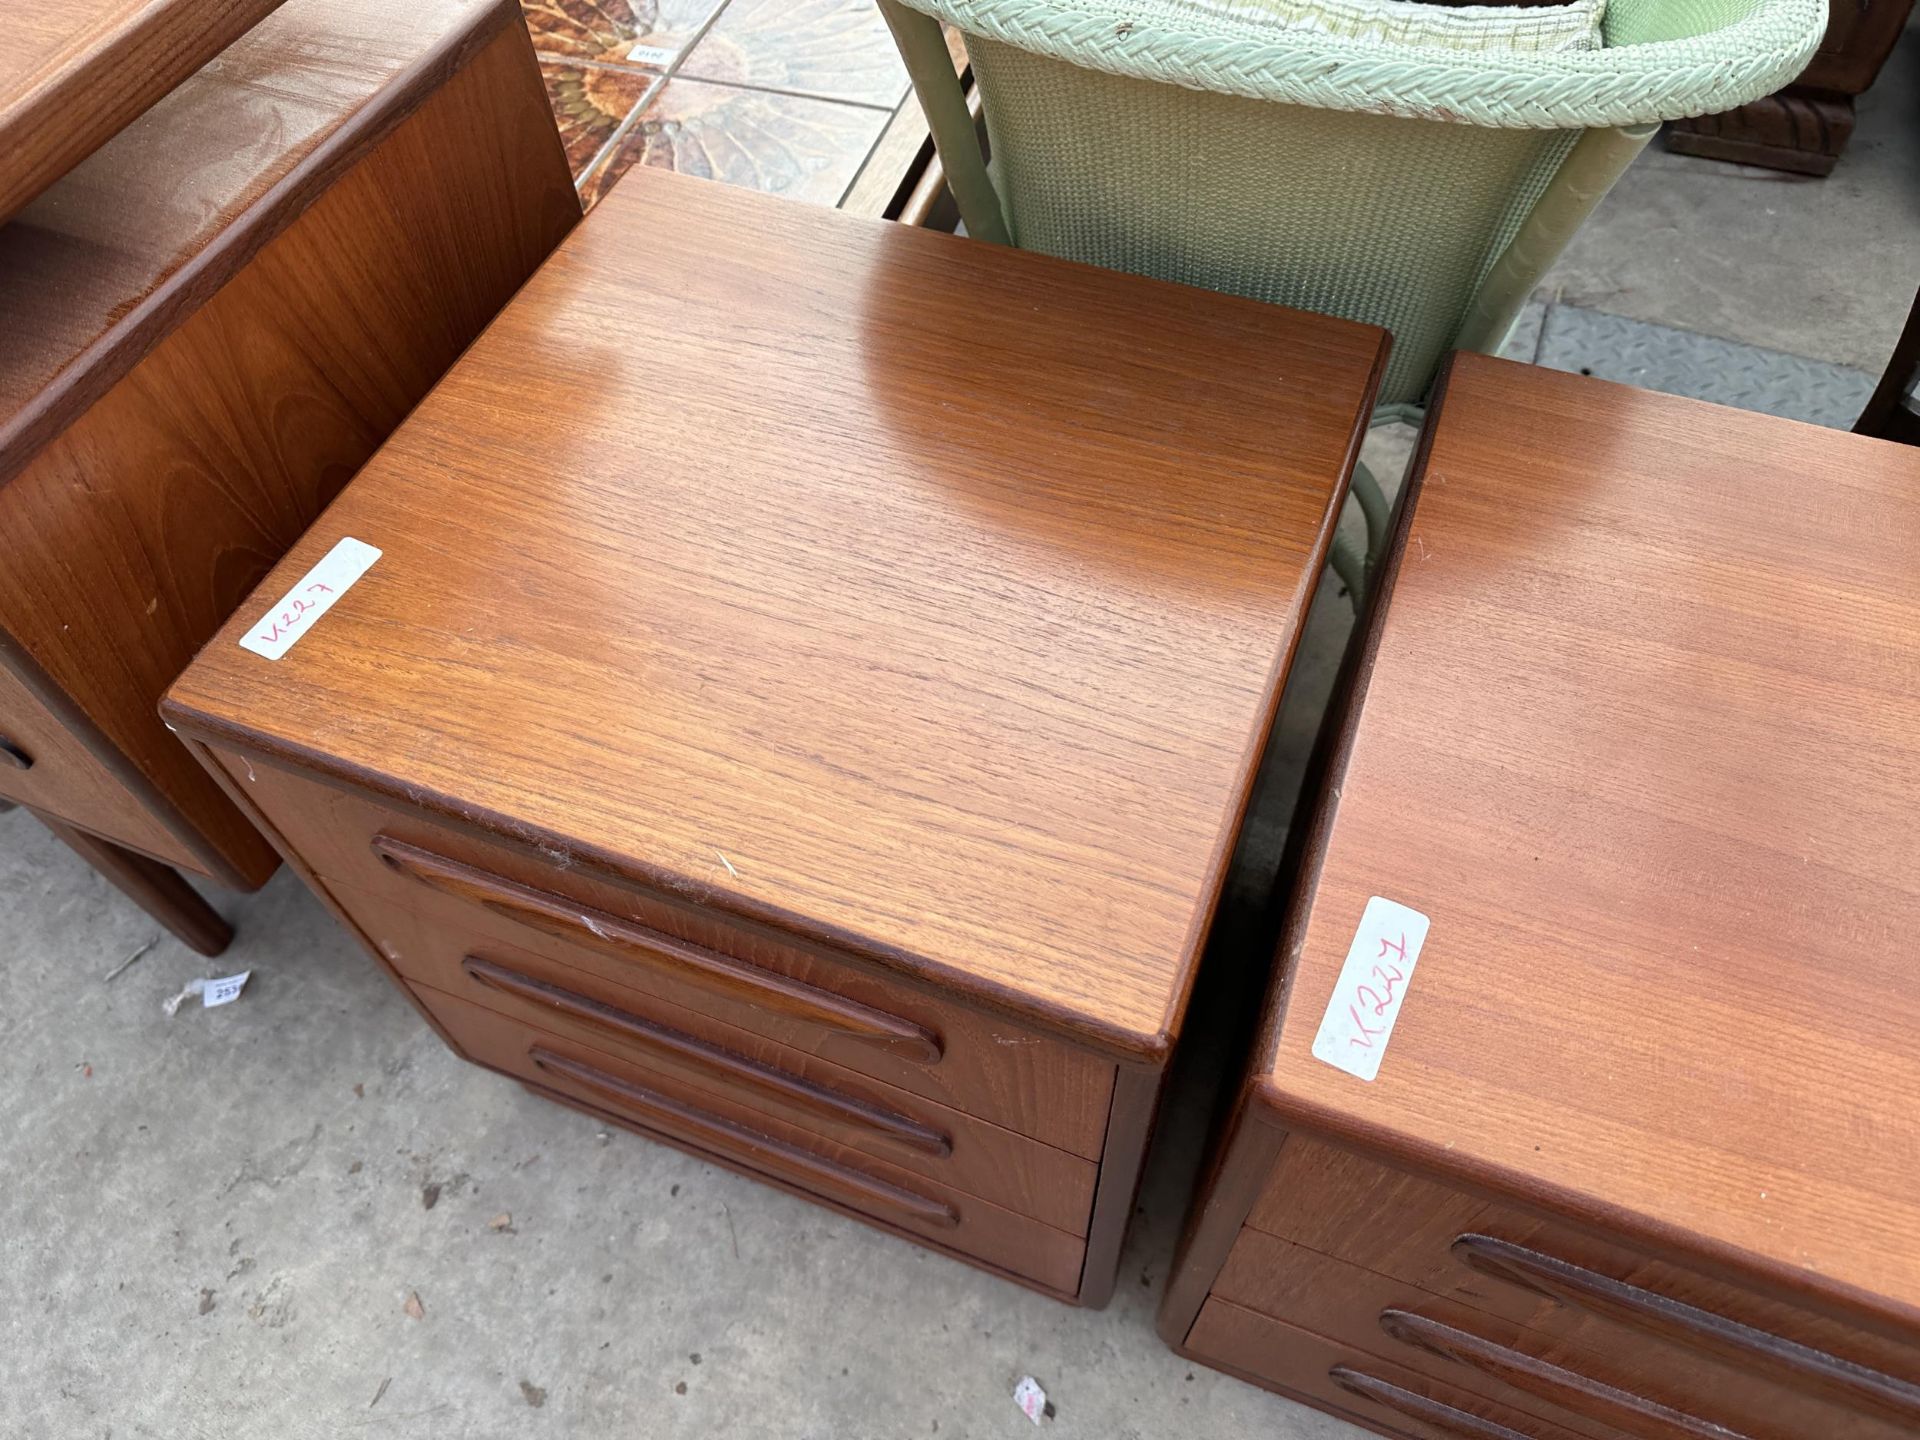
(1641, 735)
(200, 343)
(100, 268)
(74, 72)
(925, 597)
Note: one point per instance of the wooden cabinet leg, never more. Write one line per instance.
(1894, 411)
(1789, 131)
(155, 888)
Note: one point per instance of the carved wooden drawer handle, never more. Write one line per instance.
(724, 1065)
(863, 1192)
(12, 755)
(1419, 1407)
(1571, 1391)
(553, 915)
(1676, 1321)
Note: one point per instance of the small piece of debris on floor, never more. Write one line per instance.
(360, 1092)
(694, 1357)
(381, 1391)
(1032, 1400)
(413, 1307)
(535, 1396)
(206, 1302)
(356, 1167)
(681, 1388)
(86, 1070)
(502, 1221)
(429, 1196)
(122, 967)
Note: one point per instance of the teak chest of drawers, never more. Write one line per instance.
(1638, 731)
(205, 327)
(807, 694)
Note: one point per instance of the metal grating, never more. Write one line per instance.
(1679, 362)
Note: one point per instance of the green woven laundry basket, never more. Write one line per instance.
(1422, 189)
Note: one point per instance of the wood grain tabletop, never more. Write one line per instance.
(144, 228)
(925, 595)
(1641, 737)
(73, 72)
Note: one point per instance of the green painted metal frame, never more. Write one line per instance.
(1596, 160)
(930, 66)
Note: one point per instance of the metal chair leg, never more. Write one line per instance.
(1373, 504)
(1355, 564)
(930, 66)
(1350, 564)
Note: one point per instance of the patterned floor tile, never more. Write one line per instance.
(589, 102)
(644, 32)
(783, 144)
(834, 49)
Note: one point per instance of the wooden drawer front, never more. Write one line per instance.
(1013, 1170)
(661, 1100)
(733, 971)
(1592, 1376)
(44, 767)
(1745, 1361)
(1349, 1382)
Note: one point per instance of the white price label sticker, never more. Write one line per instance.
(311, 597)
(1373, 983)
(1031, 1399)
(225, 991)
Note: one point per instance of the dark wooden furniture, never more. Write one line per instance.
(1893, 412)
(74, 72)
(205, 328)
(1805, 127)
(807, 695)
(1640, 735)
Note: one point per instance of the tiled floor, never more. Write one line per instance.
(787, 96)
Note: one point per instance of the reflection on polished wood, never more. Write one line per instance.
(74, 72)
(896, 633)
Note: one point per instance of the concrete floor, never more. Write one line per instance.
(211, 1225)
(1820, 268)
